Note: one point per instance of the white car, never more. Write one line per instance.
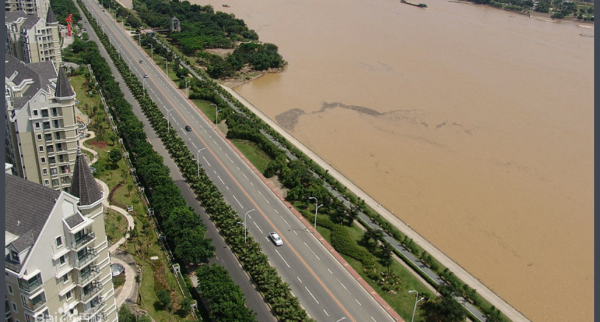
(276, 239)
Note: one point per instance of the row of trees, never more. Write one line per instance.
(62, 9)
(202, 28)
(297, 175)
(558, 8)
(276, 292)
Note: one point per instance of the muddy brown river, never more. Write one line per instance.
(473, 125)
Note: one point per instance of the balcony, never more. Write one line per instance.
(90, 274)
(85, 259)
(31, 285)
(91, 292)
(35, 304)
(83, 240)
(96, 305)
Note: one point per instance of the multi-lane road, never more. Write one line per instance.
(324, 287)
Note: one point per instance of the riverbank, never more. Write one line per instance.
(497, 182)
(462, 274)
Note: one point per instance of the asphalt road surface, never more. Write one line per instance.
(325, 289)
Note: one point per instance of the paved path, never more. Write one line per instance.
(128, 287)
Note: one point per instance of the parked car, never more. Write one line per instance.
(188, 128)
(275, 239)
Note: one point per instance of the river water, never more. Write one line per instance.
(473, 125)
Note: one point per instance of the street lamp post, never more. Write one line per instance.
(245, 220)
(152, 52)
(317, 206)
(417, 300)
(216, 112)
(144, 83)
(168, 121)
(186, 87)
(198, 160)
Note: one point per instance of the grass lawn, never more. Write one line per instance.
(79, 83)
(402, 302)
(255, 155)
(206, 108)
(118, 280)
(116, 226)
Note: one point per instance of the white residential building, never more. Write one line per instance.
(41, 127)
(32, 38)
(57, 262)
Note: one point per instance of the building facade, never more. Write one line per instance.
(57, 265)
(38, 8)
(41, 127)
(31, 38)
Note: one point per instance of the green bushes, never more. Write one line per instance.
(225, 297)
(343, 243)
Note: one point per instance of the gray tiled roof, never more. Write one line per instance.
(45, 69)
(63, 87)
(27, 207)
(83, 184)
(74, 220)
(24, 72)
(12, 16)
(51, 18)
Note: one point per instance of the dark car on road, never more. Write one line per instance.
(188, 128)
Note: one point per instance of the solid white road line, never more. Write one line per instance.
(344, 286)
(314, 298)
(305, 244)
(238, 201)
(255, 224)
(288, 265)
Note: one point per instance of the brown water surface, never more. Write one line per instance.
(473, 125)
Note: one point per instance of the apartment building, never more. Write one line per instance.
(38, 8)
(57, 264)
(41, 128)
(32, 38)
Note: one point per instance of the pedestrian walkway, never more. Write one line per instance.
(128, 287)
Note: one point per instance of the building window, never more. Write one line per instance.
(10, 290)
(46, 182)
(51, 160)
(59, 242)
(41, 148)
(66, 278)
(68, 295)
(62, 261)
(15, 256)
(53, 171)
(39, 137)
(35, 113)
(48, 137)
(54, 182)
(45, 171)
(37, 125)
(14, 307)
(43, 160)
(45, 113)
